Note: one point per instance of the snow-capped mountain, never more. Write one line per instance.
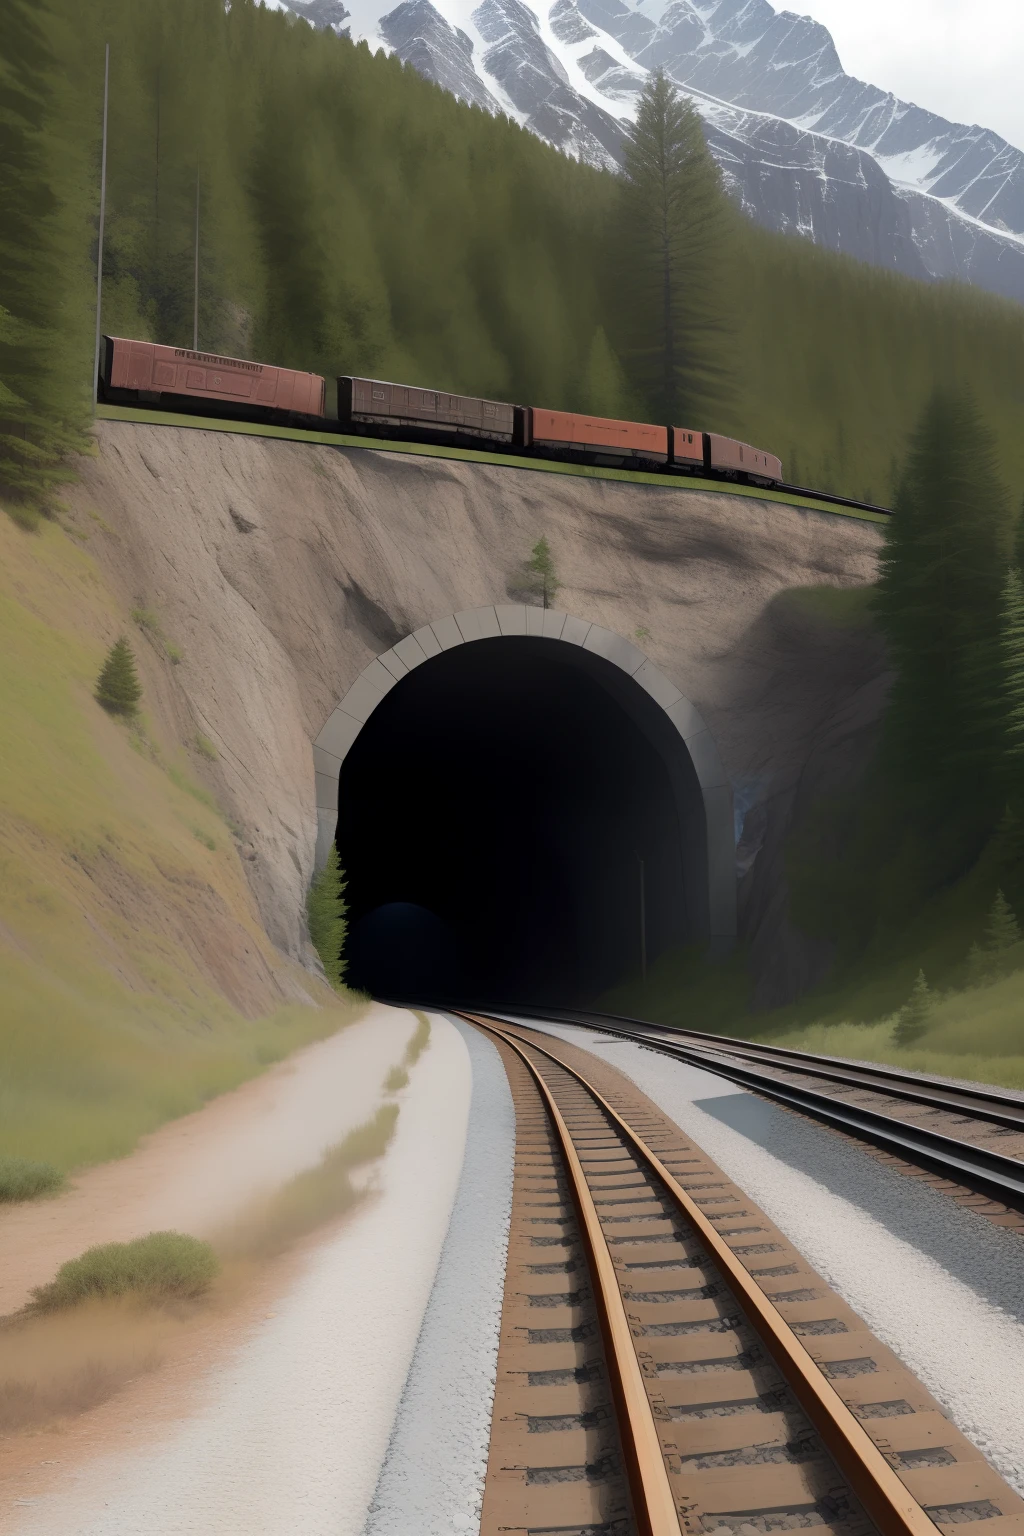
(802, 145)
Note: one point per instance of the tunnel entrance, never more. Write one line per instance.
(518, 822)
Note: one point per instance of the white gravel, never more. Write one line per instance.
(936, 1282)
(432, 1480)
(290, 1434)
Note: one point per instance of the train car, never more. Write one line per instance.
(380, 409)
(595, 438)
(145, 373)
(688, 448)
(730, 457)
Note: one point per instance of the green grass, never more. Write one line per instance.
(205, 747)
(23, 1179)
(163, 1266)
(473, 456)
(113, 1018)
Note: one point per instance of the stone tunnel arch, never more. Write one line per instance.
(669, 722)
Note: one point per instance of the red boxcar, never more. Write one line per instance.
(740, 458)
(143, 369)
(376, 403)
(688, 447)
(566, 432)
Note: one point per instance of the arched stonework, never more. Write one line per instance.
(509, 619)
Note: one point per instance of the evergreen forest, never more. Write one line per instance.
(354, 217)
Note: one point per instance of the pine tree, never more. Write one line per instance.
(541, 569)
(42, 405)
(326, 910)
(118, 688)
(915, 1014)
(1002, 930)
(673, 246)
(1013, 667)
(1017, 550)
(938, 605)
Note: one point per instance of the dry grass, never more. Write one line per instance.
(313, 1197)
(65, 1363)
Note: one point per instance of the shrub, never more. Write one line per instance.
(22, 1179)
(205, 747)
(118, 688)
(326, 909)
(160, 1266)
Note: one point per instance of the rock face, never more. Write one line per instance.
(803, 146)
(282, 569)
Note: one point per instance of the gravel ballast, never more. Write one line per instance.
(432, 1479)
(937, 1283)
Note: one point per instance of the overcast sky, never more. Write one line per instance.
(961, 58)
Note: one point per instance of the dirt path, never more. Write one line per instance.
(272, 1413)
(195, 1174)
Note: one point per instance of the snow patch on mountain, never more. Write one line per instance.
(802, 145)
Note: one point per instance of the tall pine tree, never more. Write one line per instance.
(1013, 670)
(938, 604)
(42, 404)
(673, 245)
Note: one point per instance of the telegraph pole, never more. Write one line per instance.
(103, 216)
(195, 285)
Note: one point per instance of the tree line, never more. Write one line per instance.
(355, 218)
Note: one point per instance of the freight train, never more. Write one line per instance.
(178, 378)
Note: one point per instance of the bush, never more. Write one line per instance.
(326, 909)
(22, 1179)
(161, 1265)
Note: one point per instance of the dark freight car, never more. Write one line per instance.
(382, 409)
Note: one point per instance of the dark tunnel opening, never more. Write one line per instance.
(517, 819)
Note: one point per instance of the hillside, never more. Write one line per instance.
(137, 978)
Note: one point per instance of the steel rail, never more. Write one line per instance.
(654, 1504)
(980, 1102)
(989, 1173)
(884, 1496)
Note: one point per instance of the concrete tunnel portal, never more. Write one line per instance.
(525, 809)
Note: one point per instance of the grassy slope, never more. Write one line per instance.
(109, 1024)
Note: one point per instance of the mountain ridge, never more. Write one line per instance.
(803, 146)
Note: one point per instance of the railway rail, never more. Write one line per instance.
(972, 1136)
(669, 1364)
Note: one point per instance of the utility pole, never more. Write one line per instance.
(103, 216)
(195, 310)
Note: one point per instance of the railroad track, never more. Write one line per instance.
(972, 1136)
(669, 1364)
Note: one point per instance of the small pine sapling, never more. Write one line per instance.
(118, 688)
(326, 910)
(541, 567)
(915, 1014)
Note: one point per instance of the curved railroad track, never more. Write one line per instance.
(668, 1362)
(971, 1135)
